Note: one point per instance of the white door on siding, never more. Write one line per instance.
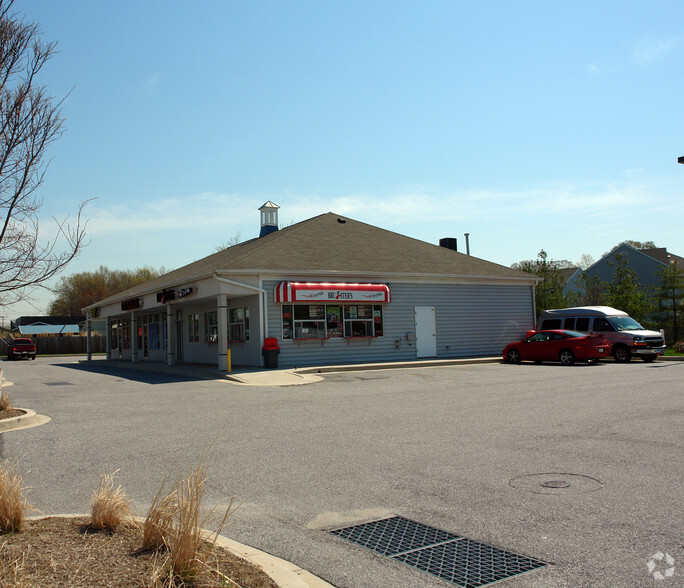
(426, 333)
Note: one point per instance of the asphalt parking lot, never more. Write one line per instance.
(468, 449)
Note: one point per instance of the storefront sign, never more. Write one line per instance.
(330, 292)
(131, 304)
(170, 294)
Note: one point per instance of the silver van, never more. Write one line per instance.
(626, 336)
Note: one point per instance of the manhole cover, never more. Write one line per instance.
(556, 483)
(453, 558)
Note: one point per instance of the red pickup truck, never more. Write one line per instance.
(21, 348)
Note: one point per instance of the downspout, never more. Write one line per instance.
(262, 301)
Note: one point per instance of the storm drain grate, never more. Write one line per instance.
(453, 558)
(393, 536)
(58, 383)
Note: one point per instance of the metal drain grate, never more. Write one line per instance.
(393, 536)
(453, 558)
(58, 383)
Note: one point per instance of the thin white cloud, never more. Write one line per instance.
(152, 82)
(178, 230)
(650, 49)
(228, 214)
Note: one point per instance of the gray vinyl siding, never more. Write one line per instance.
(472, 321)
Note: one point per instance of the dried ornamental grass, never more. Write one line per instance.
(110, 507)
(174, 522)
(13, 502)
(158, 524)
(186, 536)
(5, 402)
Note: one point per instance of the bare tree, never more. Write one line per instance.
(30, 121)
(234, 240)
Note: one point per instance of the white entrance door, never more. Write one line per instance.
(426, 333)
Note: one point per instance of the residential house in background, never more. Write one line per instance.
(646, 263)
(48, 325)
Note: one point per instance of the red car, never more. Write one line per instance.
(564, 346)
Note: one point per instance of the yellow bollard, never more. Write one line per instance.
(230, 367)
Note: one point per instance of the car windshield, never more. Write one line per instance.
(626, 323)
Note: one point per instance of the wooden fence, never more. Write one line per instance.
(62, 345)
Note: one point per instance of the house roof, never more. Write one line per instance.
(331, 243)
(660, 254)
(43, 329)
(567, 273)
(50, 320)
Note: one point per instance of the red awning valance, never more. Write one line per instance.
(328, 292)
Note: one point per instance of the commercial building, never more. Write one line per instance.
(330, 289)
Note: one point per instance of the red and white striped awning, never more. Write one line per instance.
(329, 292)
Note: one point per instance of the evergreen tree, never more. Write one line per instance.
(549, 292)
(625, 292)
(670, 300)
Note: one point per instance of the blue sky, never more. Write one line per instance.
(529, 125)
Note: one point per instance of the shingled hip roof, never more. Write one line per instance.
(331, 243)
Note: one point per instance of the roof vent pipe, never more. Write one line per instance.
(449, 243)
(467, 235)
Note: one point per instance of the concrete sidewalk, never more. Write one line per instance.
(257, 376)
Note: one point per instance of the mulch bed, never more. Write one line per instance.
(66, 552)
(11, 412)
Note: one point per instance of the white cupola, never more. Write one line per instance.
(269, 218)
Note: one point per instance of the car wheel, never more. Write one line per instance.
(513, 356)
(648, 358)
(622, 354)
(567, 357)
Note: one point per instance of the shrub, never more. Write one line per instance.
(13, 502)
(679, 346)
(110, 507)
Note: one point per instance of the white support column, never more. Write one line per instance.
(170, 336)
(108, 338)
(134, 339)
(263, 315)
(222, 325)
(89, 347)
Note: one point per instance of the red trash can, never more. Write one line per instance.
(270, 352)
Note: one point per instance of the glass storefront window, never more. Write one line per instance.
(238, 324)
(328, 321)
(211, 326)
(193, 328)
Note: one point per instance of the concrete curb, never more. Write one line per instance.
(283, 573)
(24, 421)
(397, 365)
